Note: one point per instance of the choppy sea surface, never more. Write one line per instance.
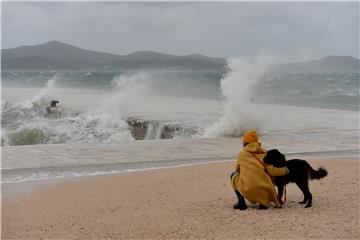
(319, 109)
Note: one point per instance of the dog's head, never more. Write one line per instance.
(276, 158)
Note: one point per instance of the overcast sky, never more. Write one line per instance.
(217, 29)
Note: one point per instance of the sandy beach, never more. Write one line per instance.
(183, 203)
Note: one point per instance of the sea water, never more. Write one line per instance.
(298, 112)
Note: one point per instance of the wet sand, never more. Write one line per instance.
(183, 203)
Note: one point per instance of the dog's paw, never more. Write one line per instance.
(308, 205)
(302, 202)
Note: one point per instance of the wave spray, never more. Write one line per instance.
(237, 87)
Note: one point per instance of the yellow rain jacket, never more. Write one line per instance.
(252, 181)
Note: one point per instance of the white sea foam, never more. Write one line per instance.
(47, 93)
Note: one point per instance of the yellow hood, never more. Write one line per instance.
(254, 148)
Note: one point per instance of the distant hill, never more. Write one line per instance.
(326, 64)
(58, 55)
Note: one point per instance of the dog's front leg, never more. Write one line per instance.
(280, 188)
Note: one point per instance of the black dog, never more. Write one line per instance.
(299, 172)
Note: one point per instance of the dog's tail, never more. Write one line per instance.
(317, 174)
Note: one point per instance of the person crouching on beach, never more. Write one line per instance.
(252, 178)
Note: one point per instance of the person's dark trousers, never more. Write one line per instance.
(241, 201)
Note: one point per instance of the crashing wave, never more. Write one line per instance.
(237, 88)
(41, 121)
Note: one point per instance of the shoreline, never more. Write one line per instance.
(53, 161)
(183, 202)
(11, 190)
(18, 189)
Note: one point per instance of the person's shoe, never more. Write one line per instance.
(240, 205)
(262, 207)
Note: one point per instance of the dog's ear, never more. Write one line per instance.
(280, 160)
(275, 157)
(270, 156)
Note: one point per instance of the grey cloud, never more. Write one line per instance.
(219, 29)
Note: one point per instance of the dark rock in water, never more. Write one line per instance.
(137, 129)
(142, 130)
(53, 103)
(53, 111)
